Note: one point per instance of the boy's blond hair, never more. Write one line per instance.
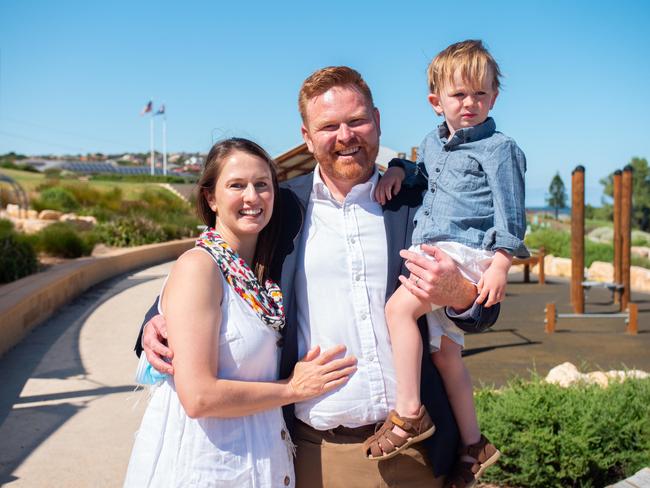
(474, 61)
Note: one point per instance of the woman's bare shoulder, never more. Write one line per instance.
(195, 269)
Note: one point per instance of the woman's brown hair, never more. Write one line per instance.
(268, 237)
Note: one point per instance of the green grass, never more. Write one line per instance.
(31, 181)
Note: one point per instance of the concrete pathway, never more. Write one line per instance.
(68, 411)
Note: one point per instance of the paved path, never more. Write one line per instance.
(68, 411)
(67, 407)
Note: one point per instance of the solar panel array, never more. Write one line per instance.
(81, 167)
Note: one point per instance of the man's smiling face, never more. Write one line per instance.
(341, 129)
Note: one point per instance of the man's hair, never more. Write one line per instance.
(322, 80)
(472, 59)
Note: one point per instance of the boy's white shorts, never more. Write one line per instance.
(471, 263)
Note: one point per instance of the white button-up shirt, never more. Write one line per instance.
(341, 289)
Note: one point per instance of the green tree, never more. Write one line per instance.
(556, 194)
(640, 192)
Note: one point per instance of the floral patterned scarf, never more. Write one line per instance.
(266, 301)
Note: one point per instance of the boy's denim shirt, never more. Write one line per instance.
(475, 189)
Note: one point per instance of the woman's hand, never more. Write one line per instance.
(318, 373)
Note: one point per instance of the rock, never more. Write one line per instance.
(32, 226)
(601, 271)
(13, 210)
(81, 223)
(32, 214)
(50, 215)
(639, 278)
(642, 251)
(564, 375)
(597, 377)
(557, 266)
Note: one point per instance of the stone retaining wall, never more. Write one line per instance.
(27, 302)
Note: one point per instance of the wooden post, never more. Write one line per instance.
(540, 266)
(618, 277)
(414, 153)
(578, 238)
(549, 327)
(626, 234)
(632, 319)
(526, 273)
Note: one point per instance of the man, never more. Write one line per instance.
(340, 262)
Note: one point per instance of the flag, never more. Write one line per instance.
(147, 108)
(161, 110)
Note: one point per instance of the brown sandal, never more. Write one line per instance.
(385, 443)
(466, 473)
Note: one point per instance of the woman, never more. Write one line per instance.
(218, 422)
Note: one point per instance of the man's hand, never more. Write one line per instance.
(437, 280)
(154, 343)
(389, 184)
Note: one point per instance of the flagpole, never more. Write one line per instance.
(164, 135)
(151, 141)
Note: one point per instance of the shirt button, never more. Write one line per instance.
(433, 189)
(358, 278)
(283, 435)
(371, 358)
(364, 316)
(352, 240)
(426, 212)
(437, 170)
(287, 480)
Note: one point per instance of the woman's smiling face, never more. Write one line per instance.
(243, 195)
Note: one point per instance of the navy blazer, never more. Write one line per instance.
(398, 220)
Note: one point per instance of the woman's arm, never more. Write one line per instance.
(191, 304)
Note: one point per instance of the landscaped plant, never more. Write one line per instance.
(583, 436)
(17, 255)
(56, 198)
(558, 243)
(63, 240)
(125, 231)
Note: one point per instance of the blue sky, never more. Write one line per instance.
(74, 75)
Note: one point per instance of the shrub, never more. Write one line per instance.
(555, 242)
(125, 231)
(551, 436)
(6, 227)
(17, 256)
(56, 198)
(63, 240)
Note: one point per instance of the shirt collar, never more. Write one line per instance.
(362, 191)
(467, 134)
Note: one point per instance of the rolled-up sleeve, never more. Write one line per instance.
(505, 169)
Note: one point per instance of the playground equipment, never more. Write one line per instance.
(622, 253)
(19, 194)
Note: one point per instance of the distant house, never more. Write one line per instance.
(299, 161)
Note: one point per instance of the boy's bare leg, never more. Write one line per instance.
(402, 311)
(458, 385)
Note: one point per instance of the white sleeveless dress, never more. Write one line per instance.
(173, 450)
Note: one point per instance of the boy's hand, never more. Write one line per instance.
(389, 184)
(492, 284)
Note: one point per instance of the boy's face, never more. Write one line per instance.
(462, 103)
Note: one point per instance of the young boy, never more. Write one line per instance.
(474, 211)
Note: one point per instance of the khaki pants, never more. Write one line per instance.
(334, 458)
